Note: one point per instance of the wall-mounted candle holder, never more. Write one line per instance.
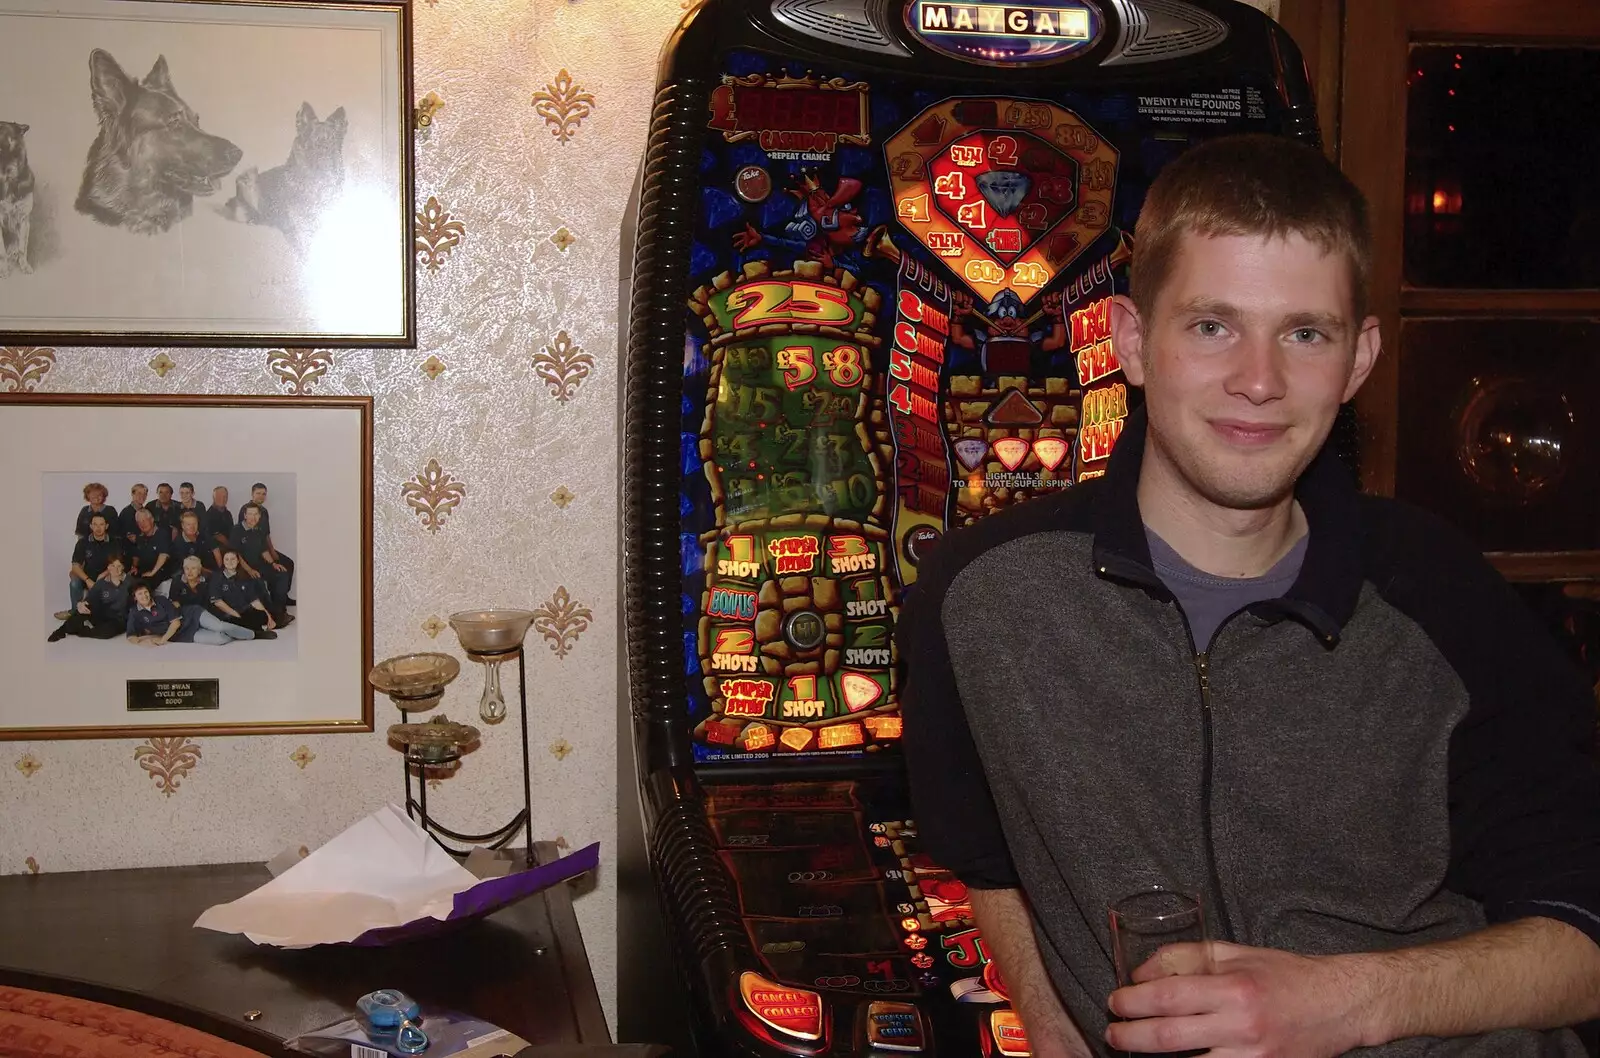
(416, 683)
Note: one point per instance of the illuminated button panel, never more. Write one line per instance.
(796, 642)
(1010, 1038)
(1006, 192)
(895, 1027)
(792, 1012)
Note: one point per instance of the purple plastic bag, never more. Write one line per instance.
(487, 897)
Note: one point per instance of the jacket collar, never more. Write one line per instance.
(1324, 595)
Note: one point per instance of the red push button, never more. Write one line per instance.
(895, 1027)
(791, 1011)
(1010, 1038)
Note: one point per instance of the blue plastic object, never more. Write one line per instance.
(387, 1008)
(394, 1015)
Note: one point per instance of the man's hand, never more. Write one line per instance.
(1242, 1003)
(83, 606)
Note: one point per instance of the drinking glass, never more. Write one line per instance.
(1146, 921)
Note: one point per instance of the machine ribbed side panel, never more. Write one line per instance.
(651, 414)
(696, 884)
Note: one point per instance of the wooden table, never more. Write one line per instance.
(127, 938)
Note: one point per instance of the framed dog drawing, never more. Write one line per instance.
(180, 172)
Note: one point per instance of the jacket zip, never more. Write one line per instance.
(1202, 668)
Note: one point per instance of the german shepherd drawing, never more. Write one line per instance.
(151, 159)
(16, 198)
(292, 196)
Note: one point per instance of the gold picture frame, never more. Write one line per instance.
(314, 455)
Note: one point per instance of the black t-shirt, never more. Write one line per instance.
(155, 620)
(201, 545)
(88, 513)
(179, 510)
(93, 554)
(108, 601)
(126, 525)
(165, 516)
(238, 591)
(183, 596)
(148, 549)
(250, 543)
(217, 522)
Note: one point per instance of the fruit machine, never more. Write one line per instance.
(873, 254)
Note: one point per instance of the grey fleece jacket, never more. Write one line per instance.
(1391, 754)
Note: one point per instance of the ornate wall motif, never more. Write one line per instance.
(563, 105)
(23, 367)
(299, 369)
(168, 760)
(433, 493)
(563, 365)
(561, 620)
(437, 234)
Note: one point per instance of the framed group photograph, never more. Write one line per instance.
(180, 172)
(190, 565)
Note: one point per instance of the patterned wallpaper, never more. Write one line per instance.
(495, 475)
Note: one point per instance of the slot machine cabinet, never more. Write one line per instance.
(874, 249)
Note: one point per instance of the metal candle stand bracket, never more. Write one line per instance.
(416, 683)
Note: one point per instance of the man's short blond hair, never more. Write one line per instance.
(1250, 185)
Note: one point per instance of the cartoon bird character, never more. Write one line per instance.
(1005, 338)
(825, 225)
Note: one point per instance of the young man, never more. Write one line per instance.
(90, 556)
(218, 524)
(127, 527)
(258, 496)
(187, 504)
(1221, 669)
(258, 560)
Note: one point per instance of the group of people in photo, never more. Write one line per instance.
(174, 570)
